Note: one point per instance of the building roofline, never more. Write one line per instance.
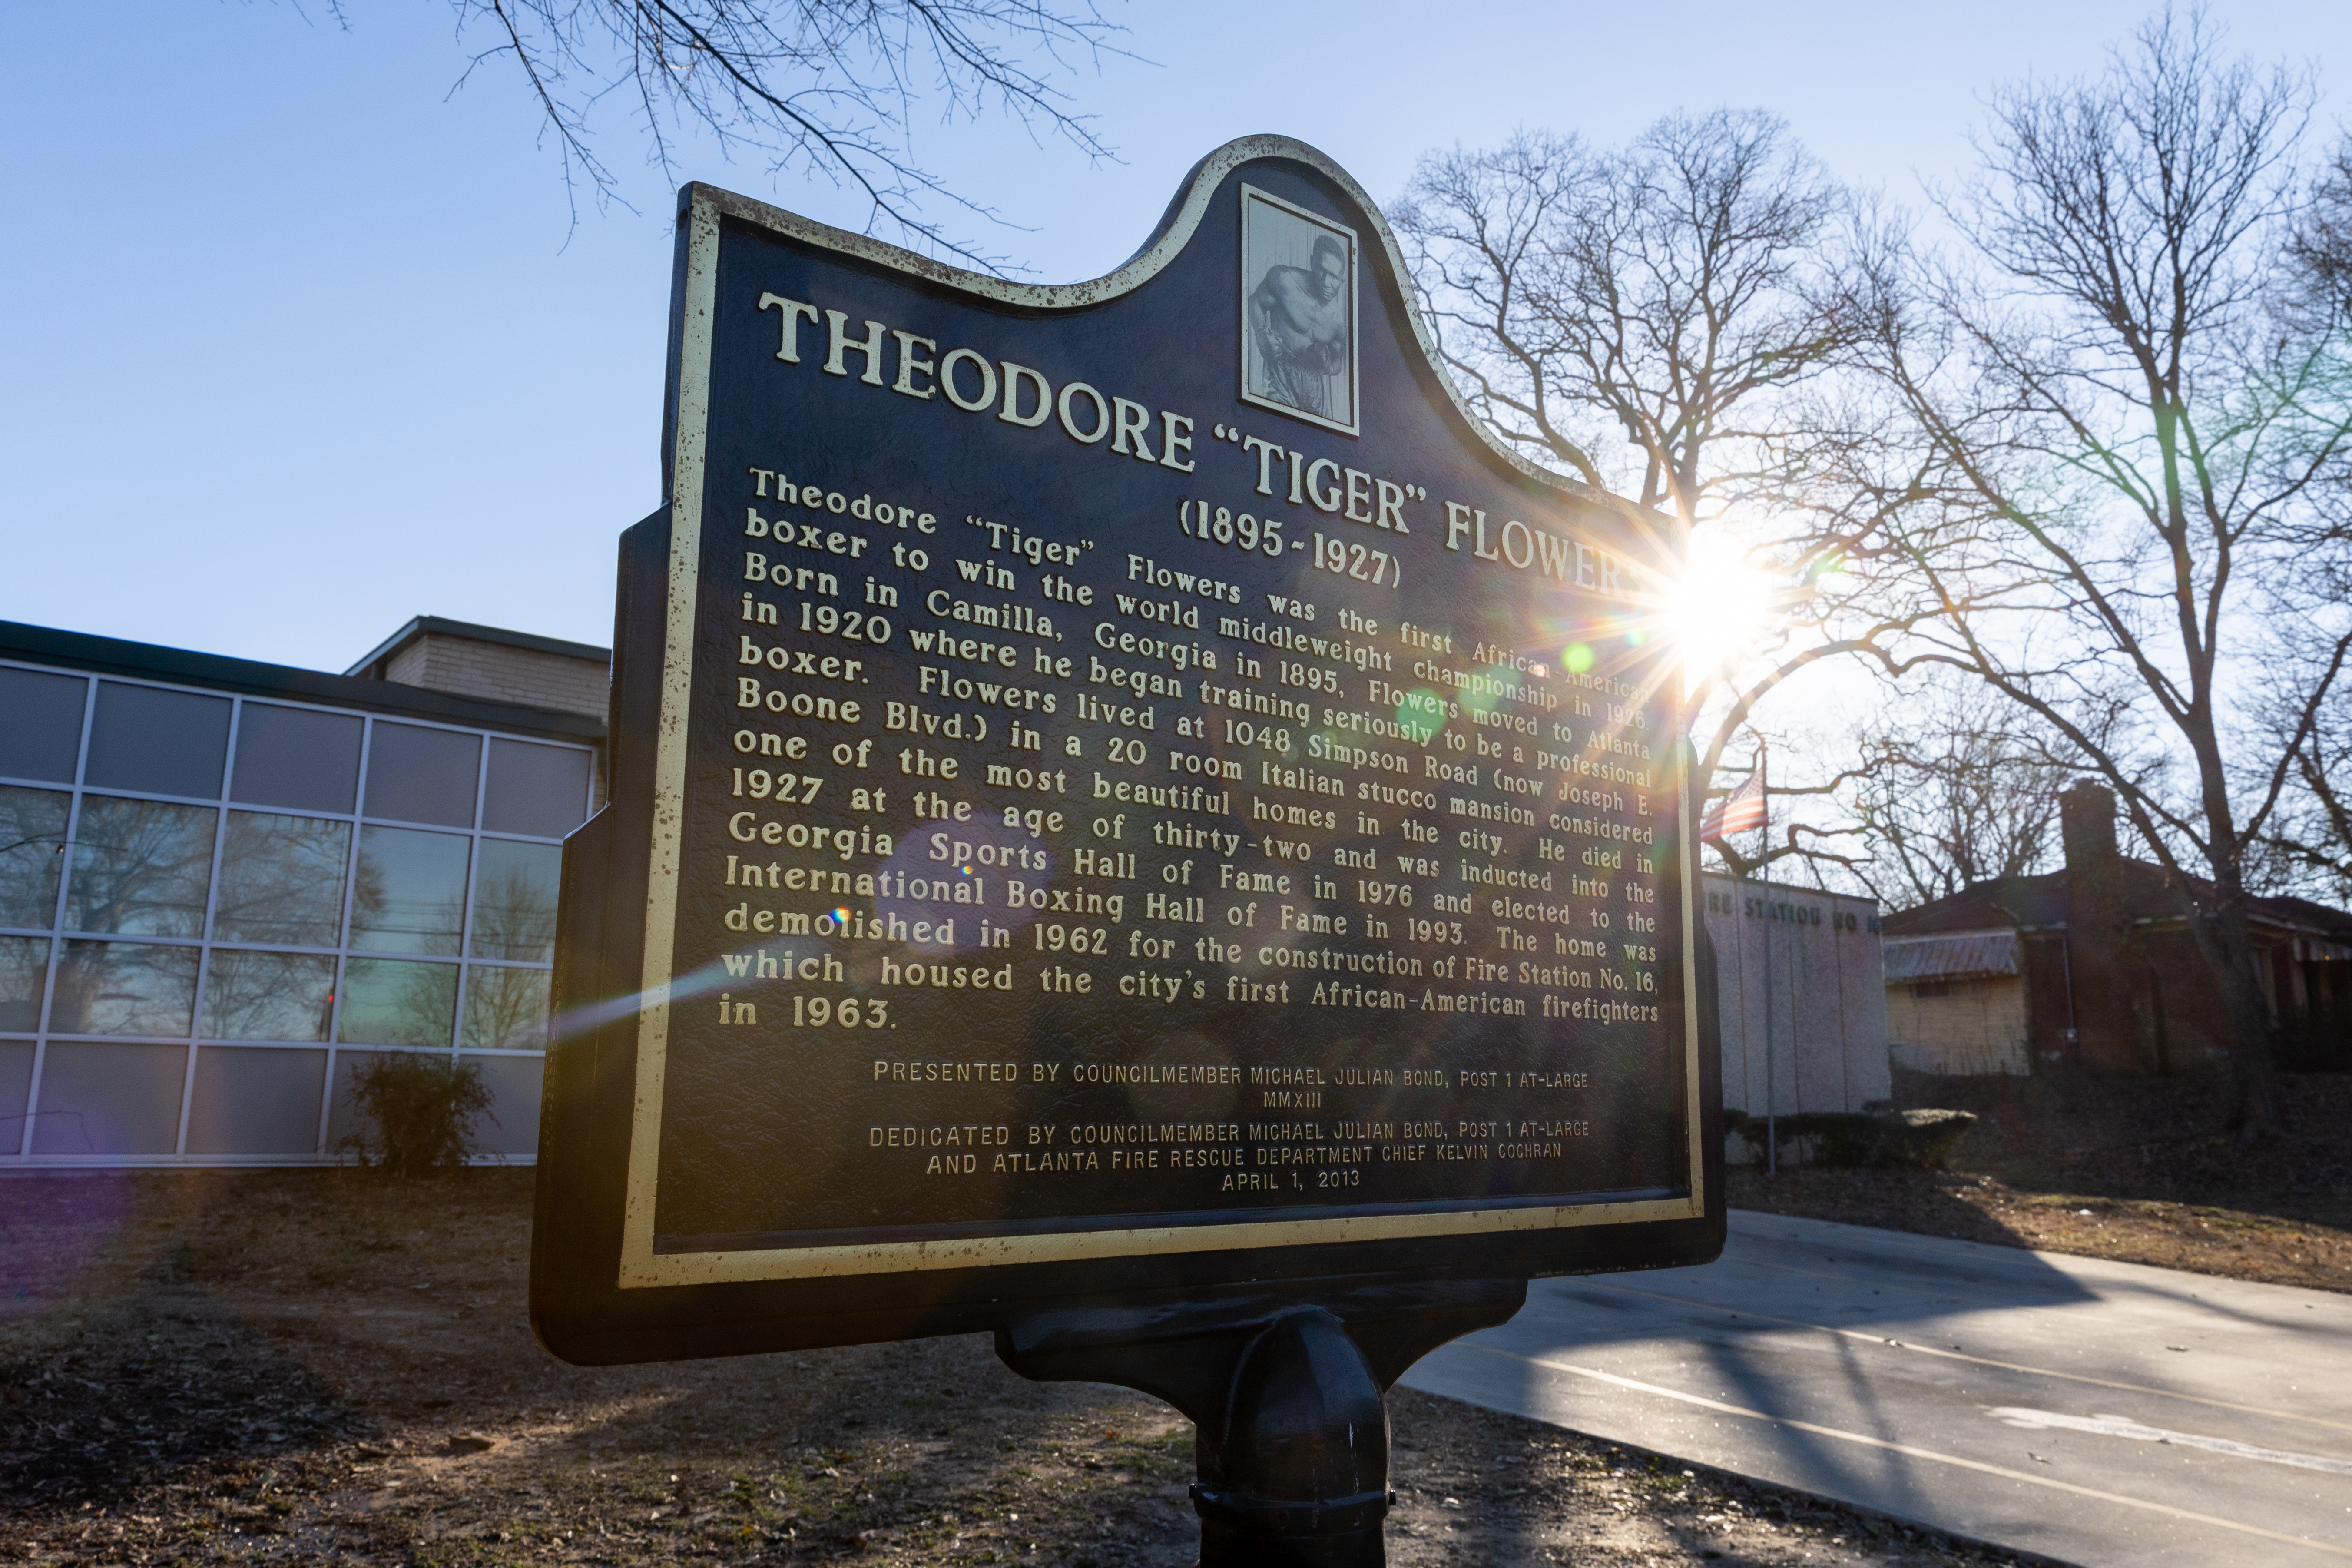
(1791, 889)
(2279, 913)
(251, 677)
(1971, 933)
(437, 625)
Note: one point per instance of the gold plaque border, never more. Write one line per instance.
(641, 1267)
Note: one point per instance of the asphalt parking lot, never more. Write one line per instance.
(2091, 1411)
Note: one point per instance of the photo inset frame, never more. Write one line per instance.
(1299, 319)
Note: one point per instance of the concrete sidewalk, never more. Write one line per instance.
(2099, 1413)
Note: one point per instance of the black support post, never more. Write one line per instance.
(1286, 1395)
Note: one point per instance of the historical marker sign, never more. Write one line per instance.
(1116, 788)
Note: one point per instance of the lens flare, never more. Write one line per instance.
(1720, 609)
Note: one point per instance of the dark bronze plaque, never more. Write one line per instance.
(1118, 788)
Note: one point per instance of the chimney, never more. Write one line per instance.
(2086, 823)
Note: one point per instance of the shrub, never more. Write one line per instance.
(1896, 1140)
(417, 1113)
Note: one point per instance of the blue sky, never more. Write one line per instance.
(295, 347)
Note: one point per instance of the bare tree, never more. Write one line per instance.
(1804, 830)
(1951, 790)
(2140, 440)
(2322, 249)
(1663, 294)
(1660, 321)
(824, 88)
(2308, 847)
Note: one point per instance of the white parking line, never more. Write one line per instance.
(2124, 1427)
(1864, 1338)
(1906, 1450)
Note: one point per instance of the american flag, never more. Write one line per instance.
(1737, 812)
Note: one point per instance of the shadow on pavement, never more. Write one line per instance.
(1736, 1325)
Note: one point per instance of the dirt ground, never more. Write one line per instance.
(329, 1367)
(2139, 1171)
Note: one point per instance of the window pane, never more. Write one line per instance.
(268, 995)
(15, 1084)
(32, 839)
(166, 742)
(514, 900)
(539, 790)
(411, 896)
(282, 880)
(110, 1099)
(24, 974)
(506, 1009)
(510, 1125)
(40, 731)
(296, 757)
(422, 776)
(141, 867)
(124, 988)
(387, 1002)
(344, 1125)
(256, 1101)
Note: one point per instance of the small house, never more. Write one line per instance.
(2093, 969)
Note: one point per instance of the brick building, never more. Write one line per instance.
(2093, 968)
(492, 665)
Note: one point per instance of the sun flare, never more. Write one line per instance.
(1720, 609)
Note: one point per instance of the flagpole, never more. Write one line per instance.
(1771, 1079)
(1717, 826)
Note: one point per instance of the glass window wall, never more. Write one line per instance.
(185, 977)
(247, 1101)
(40, 724)
(15, 1078)
(506, 1009)
(125, 988)
(538, 789)
(514, 900)
(141, 867)
(158, 741)
(424, 775)
(32, 852)
(268, 995)
(24, 981)
(411, 892)
(102, 1098)
(282, 880)
(296, 757)
(393, 1002)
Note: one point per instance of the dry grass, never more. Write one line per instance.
(2138, 1171)
(2202, 1239)
(312, 1367)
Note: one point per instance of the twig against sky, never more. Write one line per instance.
(814, 87)
(2152, 448)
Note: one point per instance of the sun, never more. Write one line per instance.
(1718, 608)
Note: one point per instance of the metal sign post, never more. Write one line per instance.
(1135, 826)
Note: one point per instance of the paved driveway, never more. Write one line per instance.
(2099, 1413)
